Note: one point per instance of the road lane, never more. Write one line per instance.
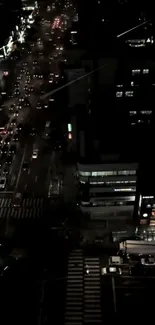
(20, 169)
(39, 171)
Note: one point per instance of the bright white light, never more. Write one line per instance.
(124, 189)
(36, 4)
(21, 38)
(9, 47)
(69, 127)
(145, 215)
(29, 8)
(4, 51)
(140, 201)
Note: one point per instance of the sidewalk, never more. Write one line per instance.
(69, 184)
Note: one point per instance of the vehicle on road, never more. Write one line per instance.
(12, 149)
(2, 182)
(13, 122)
(33, 132)
(6, 170)
(9, 160)
(7, 140)
(25, 166)
(16, 137)
(35, 154)
(17, 199)
(4, 149)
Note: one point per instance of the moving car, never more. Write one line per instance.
(9, 160)
(25, 166)
(7, 141)
(12, 149)
(35, 154)
(33, 132)
(13, 122)
(16, 113)
(38, 105)
(2, 182)
(19, 127)
(16, 137)
(4, 149)
(17, 199)
(10, 130)
(5, 170)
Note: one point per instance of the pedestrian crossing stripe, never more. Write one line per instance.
(83, 298)
(30, 208)
(19, 213)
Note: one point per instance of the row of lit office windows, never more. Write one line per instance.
(109, 183)
(141, 112)
(107, 204)
(139, 71)
(128, 93)
(108, 173)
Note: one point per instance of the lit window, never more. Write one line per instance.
(146, 112)
(95, 174)
(131, 113)
(104, 173)
(124, 189)
(119, 93)
(84, 173)
(135, 71)
(145, 71)
(119, 86)
(129, 93)
(127, 172)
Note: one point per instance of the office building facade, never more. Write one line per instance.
(107, 190)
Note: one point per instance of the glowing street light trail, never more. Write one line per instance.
(130, 30)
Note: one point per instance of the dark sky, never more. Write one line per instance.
(8, 17)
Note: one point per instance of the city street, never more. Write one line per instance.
(33, 163)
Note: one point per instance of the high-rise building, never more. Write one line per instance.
(108, 189)
(119, 114)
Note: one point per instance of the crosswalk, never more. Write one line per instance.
(30, 208)
(74, 293)
(92, 304)
(83, 301)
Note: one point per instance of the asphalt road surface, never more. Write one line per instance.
(40, 62)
